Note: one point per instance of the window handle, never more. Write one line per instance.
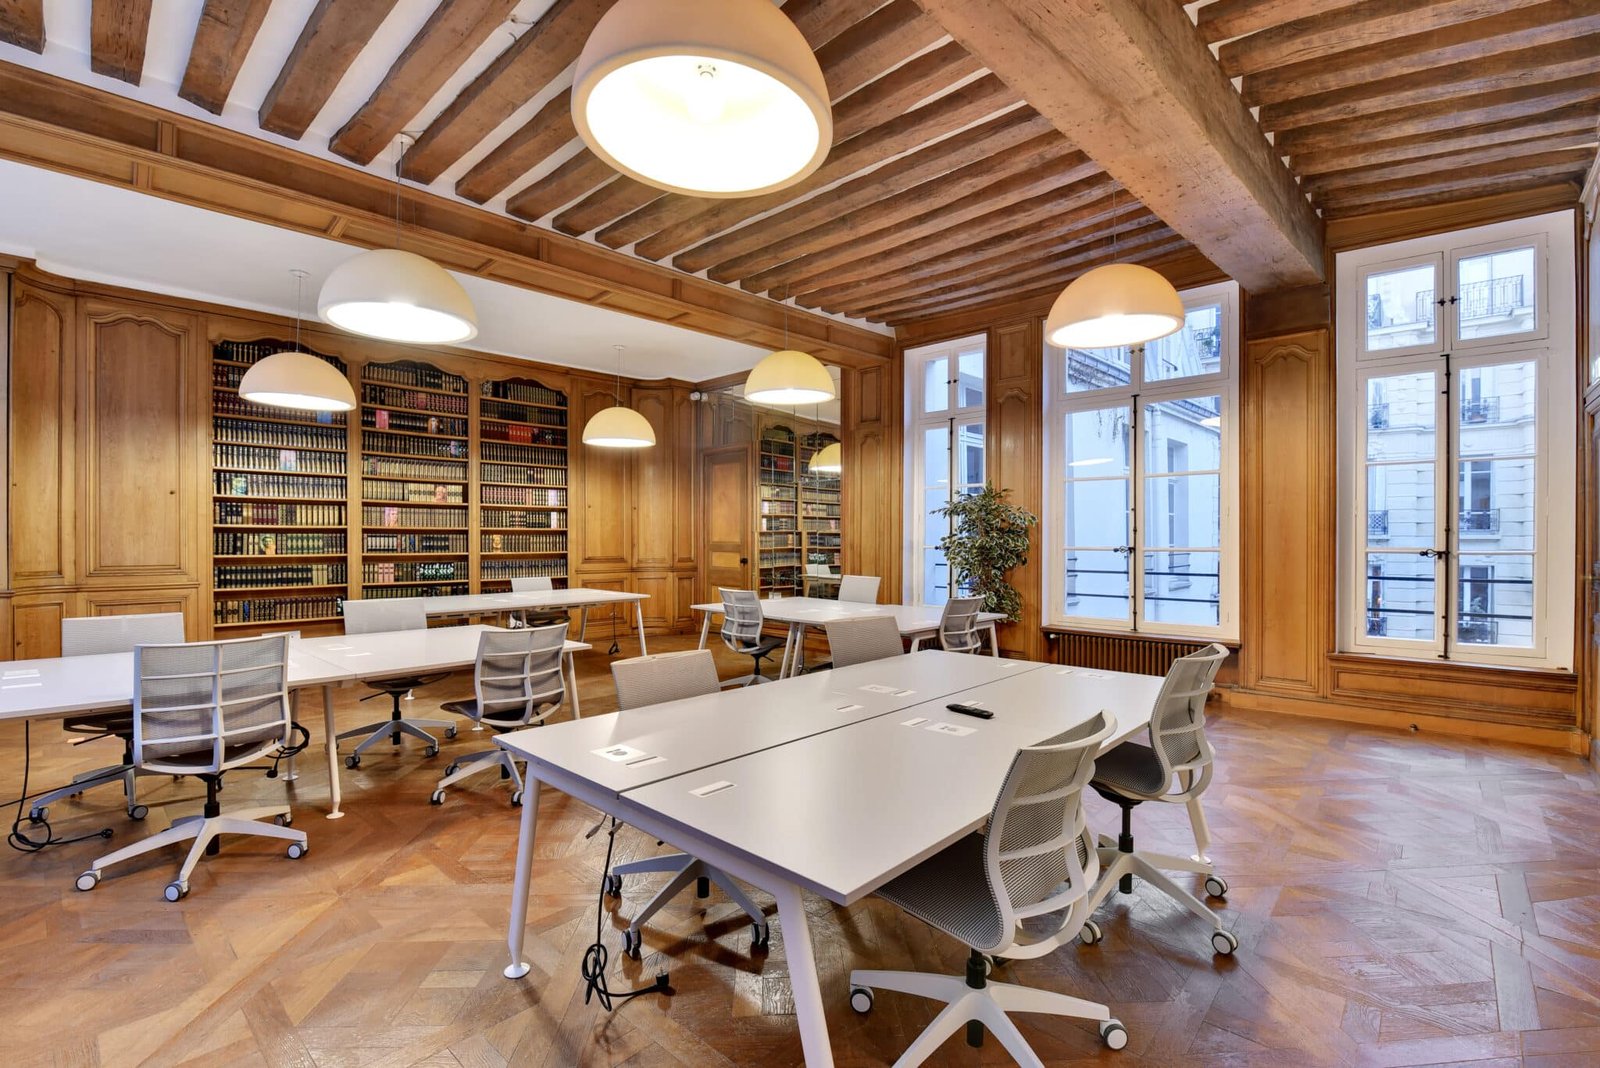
(1125, 550)
(1434, 554)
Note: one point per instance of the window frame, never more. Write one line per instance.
(1134, 397)
(917, 422)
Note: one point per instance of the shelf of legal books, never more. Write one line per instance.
(522, 483)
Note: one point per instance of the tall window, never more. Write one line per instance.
(944, 452)
(1144, 479)
(1457, 364)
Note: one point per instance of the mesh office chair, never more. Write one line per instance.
(855, 641)
(958, 625)
(862, 589)
(536, 617)
(653, 680)
(88, 636)
(517, 681)
(1036, 858)
(201, 709)
(381, 616)
(1174, 768)
(741, 632)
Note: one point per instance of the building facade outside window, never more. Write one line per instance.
(945, 443)
(1457, 369)
(1142, 531)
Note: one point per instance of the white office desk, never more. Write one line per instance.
(837, 811)
(916, 621)
(578, 598)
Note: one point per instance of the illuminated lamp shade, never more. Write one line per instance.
(829, 460)
(713, 98)
(398, 296)
(619, 428)
(297, 380)
(1119, 304)
(789, 376)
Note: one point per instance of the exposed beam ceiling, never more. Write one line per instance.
(22, 23)
(222, 40)
(119, 31)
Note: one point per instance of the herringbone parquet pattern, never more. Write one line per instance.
(1400, 900)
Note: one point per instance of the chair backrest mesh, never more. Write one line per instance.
(855, 641)
(741, 618)
(862, 589)
(652, 680)
(518, 676)
(1178, 721)
(385, 614)
(958, 626)
(1039, 853)
(208, 706)
(531, 585)
(88, 635)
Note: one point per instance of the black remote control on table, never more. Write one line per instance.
(971, 710)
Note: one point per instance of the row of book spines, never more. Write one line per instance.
(443, 589)
(230, 404)
(250, 352)
(393, 374)
(232, 577)
(384, 419)
(396, 397)
(414, 543)
(522, 520)
(521, 434)
(250, 432)
(419, 469)
(229, 484)
(521, 454)
(413, 517)
(529, 476)
(497, 570)
(268, 459)
(275, 609)
(519, 413)
(419, 571)
(524, 393)
(268, 514)
(413, 492)
(524, 543)
(232, 543)
(550, 497)
(448, 448)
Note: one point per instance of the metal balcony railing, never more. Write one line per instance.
(1480, 521)
(1471, 631)
(1378, 523)
(1483, 410)
(1477, 300)
(1378, 415)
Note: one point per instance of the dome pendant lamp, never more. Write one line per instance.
(395, 295)
(296, 379)
(711, 98)
(828, 460)
(618, 427)
(1114, 305)
(789, 376)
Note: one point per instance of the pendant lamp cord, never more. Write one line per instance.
(616, 391)
(401, 143)
(299, 302)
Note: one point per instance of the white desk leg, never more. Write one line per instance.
(803, 982)
(787, 668)
(638, 616)
(572, 686)
(705, 629)
(290, 775)
(994, 639)
(583, 622)
(522, 877)
(332, 739)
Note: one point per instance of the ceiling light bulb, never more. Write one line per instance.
(702, 97)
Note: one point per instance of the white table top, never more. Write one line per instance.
(819, 611)
(841, 813)
(678, 737)
(403, 652)
(468, 604)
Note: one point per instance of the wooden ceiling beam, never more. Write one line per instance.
(1462, 181)
(1562, 121)
(22, 24)
(1559, 191)
(447, 40)
(1042, 166)
(1223, 19)
(516, 76)
(1544, 23)
(571, 180)
(222, 40)
(606, 204)
(1572, 58)
(541, 137)
(1458, 113)
(676, 222)
(820, 21)
(1450, 163)
(1148, 102)
(334, 34)
(902, 89)
(998, 135)
(118, 33)
(873, 46)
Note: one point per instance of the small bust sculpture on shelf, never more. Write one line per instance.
(988, 537)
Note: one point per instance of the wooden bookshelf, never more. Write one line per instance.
(415, 481)
(279, 503)
(779, 553)
(821, 536)
(522, 483)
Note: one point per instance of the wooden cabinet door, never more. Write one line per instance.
(727, 517)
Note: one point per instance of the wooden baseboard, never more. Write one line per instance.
(1566, 740)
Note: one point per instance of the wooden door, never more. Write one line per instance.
(727, 518)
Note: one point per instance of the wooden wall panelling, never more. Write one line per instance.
(660, 610)
(197, 621)
(36, 622)
(1015, 459)
(686, 513)
(1287, 522)
(654, 505)
(871, 428)
(602, 516)
(43, 416)
(684, 586)
(141, 445)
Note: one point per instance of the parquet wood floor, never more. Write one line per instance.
(1400, 900)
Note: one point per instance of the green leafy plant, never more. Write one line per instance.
(988, 537)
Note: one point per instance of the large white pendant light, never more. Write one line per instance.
(713, 98)
(618, 427)
(789, 376)
(1118, 304)
(828, 460)
(396, 295)
(296, 379)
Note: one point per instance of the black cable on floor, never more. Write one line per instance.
(593, 968)
(20, 839)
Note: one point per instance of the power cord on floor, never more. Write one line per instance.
(27, 841)
(595, 957)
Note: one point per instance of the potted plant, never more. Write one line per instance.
(988, 537)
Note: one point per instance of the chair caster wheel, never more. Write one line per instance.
(298, 850)
(88, 880)
(760, 936)
(452, 769)
(449, 732)
(352, 762)
(1216, 886)
(1090, 933)
(1113, 1034)
(176, 891)
(632, 943)
(437, 798)
(431, 751)
(516, 799)
(1223, 943)
(702, 887)
(138, 812)
(613, 885)
(38, 815)
(861, 999)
